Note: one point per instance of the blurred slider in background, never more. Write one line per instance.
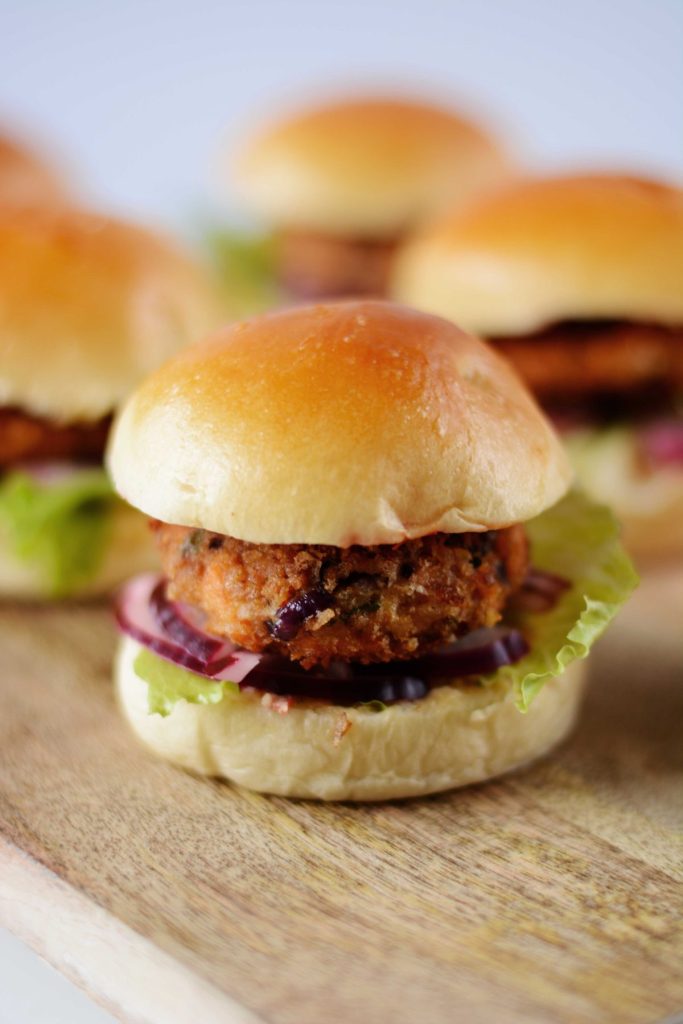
(338, 186)
(88, 306)
(578, 280)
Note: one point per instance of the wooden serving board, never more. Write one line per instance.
(553, 895)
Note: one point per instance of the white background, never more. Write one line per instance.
(139, 95)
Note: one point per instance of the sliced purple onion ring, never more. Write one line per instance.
(135, 617)
(144, 613)
(477, 654)
(52, 473)
(540, 591)
(662, 442)
(175, 619)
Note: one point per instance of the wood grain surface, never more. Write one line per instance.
(553, 895)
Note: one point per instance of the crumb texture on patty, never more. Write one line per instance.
(316, 603)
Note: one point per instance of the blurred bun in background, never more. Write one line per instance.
(578, 280)
(342, 183)
(88, 306)
(25, 177)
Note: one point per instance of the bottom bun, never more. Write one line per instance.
(648, 504)
(129, 550)
(454, 736)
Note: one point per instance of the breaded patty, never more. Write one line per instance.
(316, 603)
(581, 357)
(24, 437)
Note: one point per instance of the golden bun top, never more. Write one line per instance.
(348, 423)
(366, 167)
(541, 251)
(24, 177)
(89, 306)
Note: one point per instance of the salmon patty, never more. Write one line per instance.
(316, 603)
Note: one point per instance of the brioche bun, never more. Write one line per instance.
(454, 736)
(25, 179)
(368, 167)
(88, 306)
(348, 423)
(539, 252)
(128, 550)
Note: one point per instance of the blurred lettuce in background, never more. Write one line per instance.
(58, 526)
(245, 266)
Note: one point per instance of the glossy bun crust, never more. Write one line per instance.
(350, 423)
(367, 167)
(454, 736)
(547, 250)
(89, 306)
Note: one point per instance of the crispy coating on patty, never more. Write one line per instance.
(28, 438)
(581, 357)
(316, 603)
(315, 266)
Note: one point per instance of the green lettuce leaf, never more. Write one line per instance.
(245, 265)
(60, 527)
(168, 683)
(579, 540)
(576, 539)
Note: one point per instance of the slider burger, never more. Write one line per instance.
(88, 306)
(579, 282)
(25, 178)
(340, 184)
(373, 583)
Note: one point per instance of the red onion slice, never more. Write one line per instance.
(477, 654)
(177, 624)
(144, 613)
(540, 591)
(662, 442)
(237, 667)
(135, 617)
(52, 473)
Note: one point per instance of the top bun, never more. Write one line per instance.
(366, 167)
(539, 252)
(24, 178)
(349, 423)
(89, 306)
